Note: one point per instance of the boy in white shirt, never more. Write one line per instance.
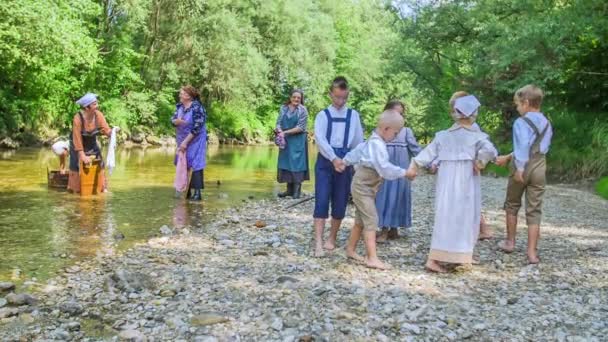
(373, 166)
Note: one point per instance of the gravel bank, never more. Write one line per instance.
(233, 281)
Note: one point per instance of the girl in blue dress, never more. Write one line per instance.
(394, 200)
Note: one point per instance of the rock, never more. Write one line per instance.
(260, 253)
(61, 334)
(119, 236)
(153, 140)
(71, 308)
(137, 138)
(8, 312)
(227, 243)
(205, 338)
(165, 230)
(207, 318)
(73, 326)
(277, 324)
(167, 293)
(131, 335)
(3, 302)
(412, 328)
(9, 143)
(6, 287)
(306, 338)
(260, 224)
(286, 279)
(20, 299)
(130, 281)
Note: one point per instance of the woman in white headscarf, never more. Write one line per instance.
(87, 124)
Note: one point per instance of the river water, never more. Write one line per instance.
(43, 230)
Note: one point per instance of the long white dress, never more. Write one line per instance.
(458, 192)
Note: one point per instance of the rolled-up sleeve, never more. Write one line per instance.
(303, 119)
(522, 135)
(199, 116)
(321, 140)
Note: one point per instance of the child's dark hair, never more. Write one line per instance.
(339, 82)
(392, 104)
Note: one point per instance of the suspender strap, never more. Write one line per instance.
(331, 120)
(539, 135)
(349, 112)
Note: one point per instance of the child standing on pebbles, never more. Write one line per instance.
(462, 151)
(532, 134)
(373, 166)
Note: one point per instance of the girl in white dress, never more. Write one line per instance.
(462, 151)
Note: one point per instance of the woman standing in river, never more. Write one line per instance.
(293, 153)
(87, 124)
(189, 120)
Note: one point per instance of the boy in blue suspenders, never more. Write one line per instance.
(337, 131)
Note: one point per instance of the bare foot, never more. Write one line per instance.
(377, 264)
(533, 258)
(382, 237)
(506, 246)
(352, 255)
(433, 266)
(329, 245)
(319, 252)
(485, 234)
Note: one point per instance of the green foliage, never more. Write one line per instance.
(246, 56)
(602, 187)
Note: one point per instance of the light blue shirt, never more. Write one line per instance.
(524, 136)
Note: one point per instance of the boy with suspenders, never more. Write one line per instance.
(532, 134)
(337, 131)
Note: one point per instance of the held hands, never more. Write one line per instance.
(518, 176)
(412, 171)
(339, 165)
(433, 169)
(503, 160)
(477, 167)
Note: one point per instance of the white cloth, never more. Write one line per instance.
(524, 136)
(87, 99)
(111, 159)
(60, 147)
(355, 134)
(374, 154)
(458, 192)
(467, 105)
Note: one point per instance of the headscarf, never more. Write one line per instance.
(86, 100)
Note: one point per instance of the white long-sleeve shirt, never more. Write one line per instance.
(524, 136)
(355, 134)
(373, 154)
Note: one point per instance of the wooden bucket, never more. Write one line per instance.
(90, 182)
(56, 179)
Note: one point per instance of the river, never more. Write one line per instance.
(43, 230)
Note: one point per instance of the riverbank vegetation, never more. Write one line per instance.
(245, 56)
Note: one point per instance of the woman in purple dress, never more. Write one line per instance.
(394, 200)
(191, 134)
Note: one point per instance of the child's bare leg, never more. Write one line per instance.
(330, 244)
(319, 228)
(383, 236)
(351, 245)
(434, 266)
(533, 236)
(508, 245)
(484, 230)
(372, 260)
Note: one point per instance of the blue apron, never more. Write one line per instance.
(89, 144)
(330, 185)
(293, 157)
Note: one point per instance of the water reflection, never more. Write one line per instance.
(38, 225)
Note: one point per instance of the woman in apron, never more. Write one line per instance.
(189, 120)
(293, 155)
(87, 124)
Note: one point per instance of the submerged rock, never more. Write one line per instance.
(20, 299)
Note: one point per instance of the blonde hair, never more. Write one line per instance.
(392, 119)
(455, 97)
(533, 94)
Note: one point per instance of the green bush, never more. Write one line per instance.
(602, 187)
